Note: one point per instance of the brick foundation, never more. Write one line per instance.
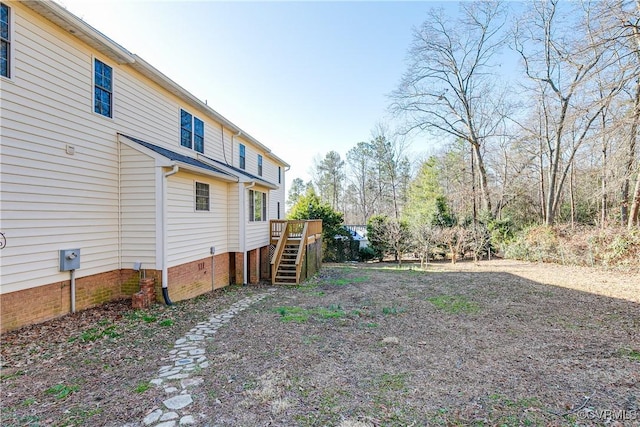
(194, 278)
(47, 302)
(186, 281)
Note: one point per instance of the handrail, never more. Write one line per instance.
(277, 225)
(277, 254)
(285, 230)
(301, 250)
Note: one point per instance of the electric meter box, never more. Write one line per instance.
(69, 259)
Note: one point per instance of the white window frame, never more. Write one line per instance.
(10, 56)
(196, 184)
(262, 197)
(93, 89)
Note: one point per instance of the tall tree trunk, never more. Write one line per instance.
(572, 195)
(634, 214)
(485, 197)
(625, 216)
(542, 195)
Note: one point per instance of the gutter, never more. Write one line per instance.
(165, 226)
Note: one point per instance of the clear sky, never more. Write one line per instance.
(302, 77)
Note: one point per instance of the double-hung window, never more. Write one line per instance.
(257, 206)
(202, 196)
(191, 131)
(259, 165)
(242, 156)
(5, 40)
(279, 175)
(102, 88)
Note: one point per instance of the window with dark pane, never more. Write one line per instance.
(264, 206)
(103, 89)
(186, 129)
(279, 175)
(259, 165)
(202, 196)
(198, 135)
(242, 156)
(5, 40)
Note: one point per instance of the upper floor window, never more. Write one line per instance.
(5, 38)
(191, 131)
(102, 89)
(279, 176)
(257, 206)
(259, 165)
(242, 156)
(202, 196)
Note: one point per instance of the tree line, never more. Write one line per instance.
(551, 140)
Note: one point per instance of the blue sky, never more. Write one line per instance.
(303, 78)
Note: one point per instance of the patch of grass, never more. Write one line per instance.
(293, 314)
(347, 281)
(308, 340)
(372, 325)
(142, 387)
(332, 312)
(630, 353)
(95, 333)
(29, 401)
(166, 322)
(302, 315)
(395, 382)
(11, 376)
(393, 311)
(61, 391)
(454, 304)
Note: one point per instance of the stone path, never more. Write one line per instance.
(189, 359)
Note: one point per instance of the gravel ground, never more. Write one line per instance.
(493, 343)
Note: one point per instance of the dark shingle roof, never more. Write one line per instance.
(172, 155)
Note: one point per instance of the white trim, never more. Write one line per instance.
(12, 42)
(94, 58)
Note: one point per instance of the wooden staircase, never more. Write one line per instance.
(291, 239)
(286, 270)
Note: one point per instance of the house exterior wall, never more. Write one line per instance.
(257, 234)
(191, 233)
(52, 200)
(67, 181)
(138, 204)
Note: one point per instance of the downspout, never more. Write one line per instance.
(165, 268)
(243, 232)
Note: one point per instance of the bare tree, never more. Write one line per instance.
(551, 45)
(447, 87)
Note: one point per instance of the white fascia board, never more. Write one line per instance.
(80, 29)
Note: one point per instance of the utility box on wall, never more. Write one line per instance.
(69, 259)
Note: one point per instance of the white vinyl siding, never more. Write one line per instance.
(191, 234)
(257, 232)
(52, 200)
(234, 216)
(138, 205)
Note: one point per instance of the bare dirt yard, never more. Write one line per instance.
(499, 343)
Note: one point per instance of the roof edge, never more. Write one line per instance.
(66, 20)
